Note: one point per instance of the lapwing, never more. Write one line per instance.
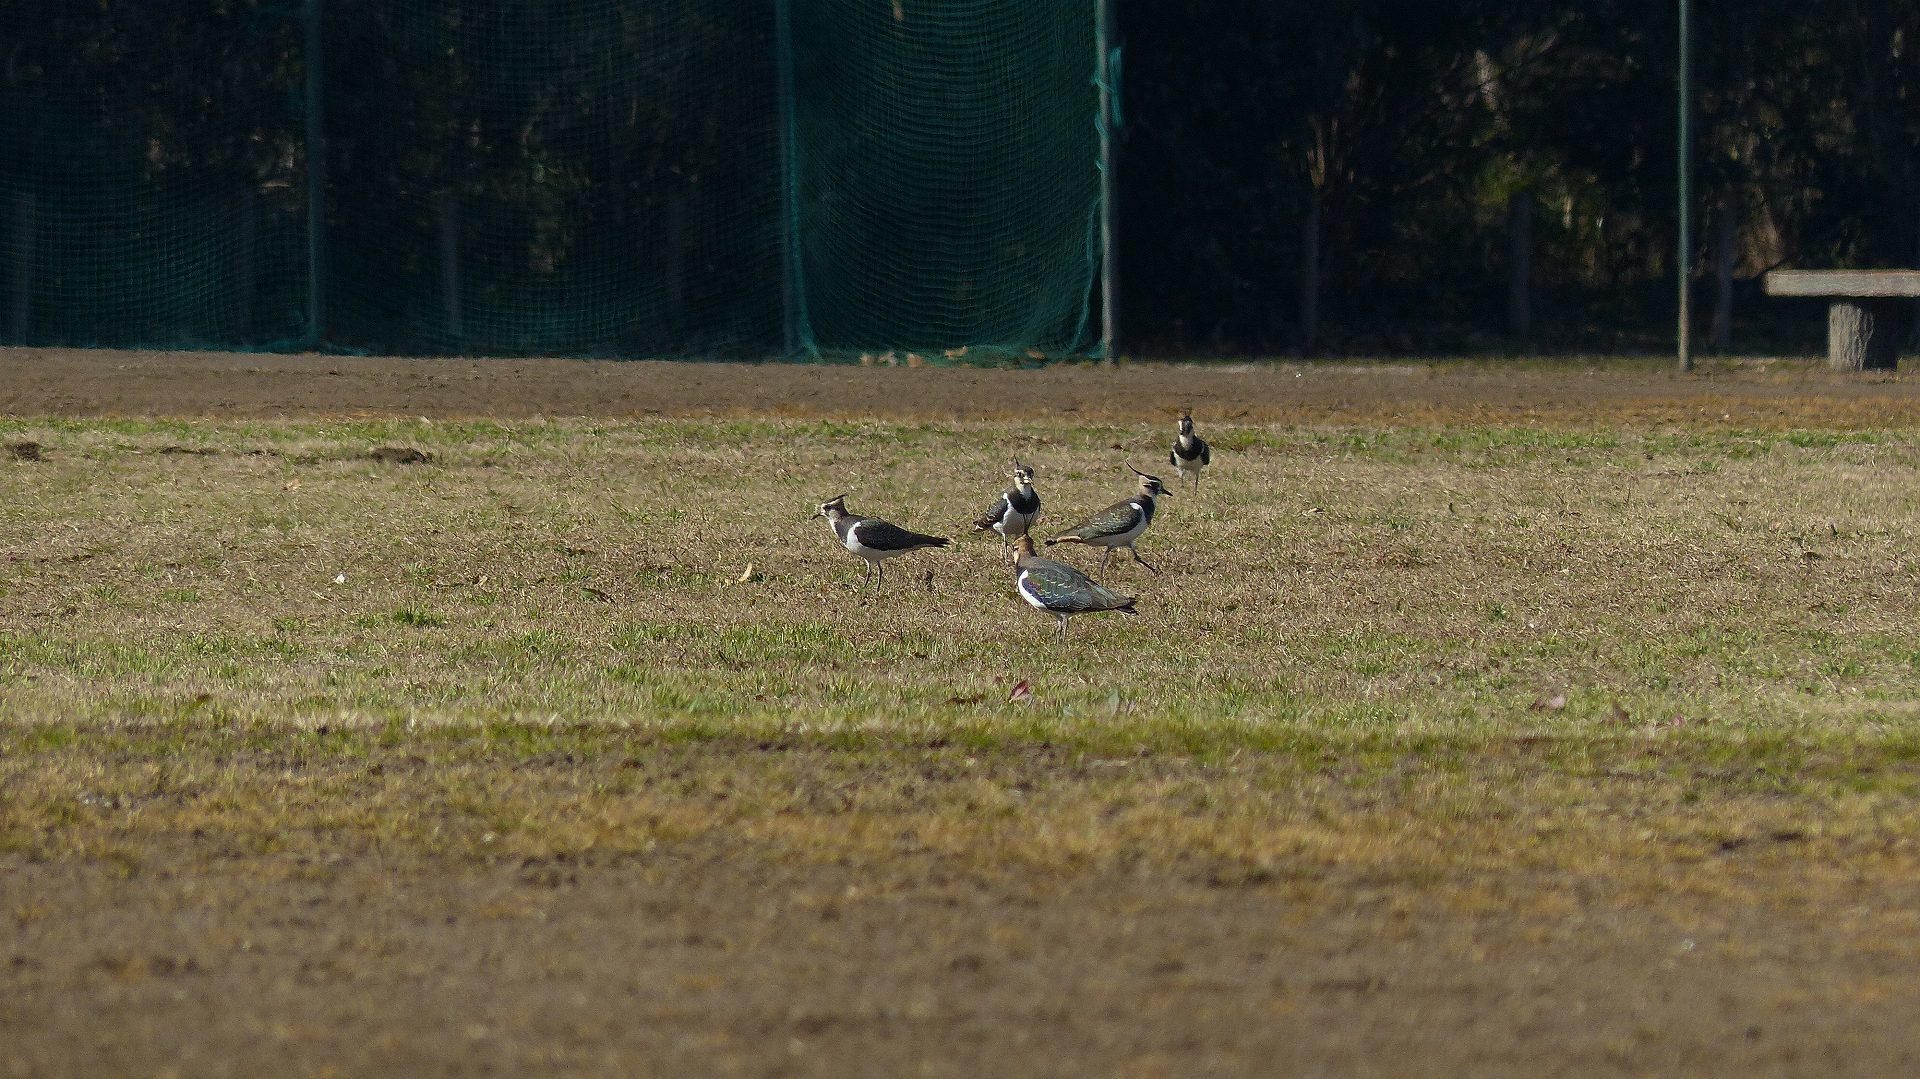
(1190, 452)
(1059, 589)
(871, 538)
(1119, 524)
(1014, 513)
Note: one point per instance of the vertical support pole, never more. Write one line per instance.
(1109, 186)
(25, 224)
(450, 266)
(793, 316)
(316, 182)
(1685, 262)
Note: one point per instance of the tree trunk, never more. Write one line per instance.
(1726, 234)
(1520, 265)
(450, 266)
(246, 272)
(21, 322)
(676, 270)
(1310, 275)
(1861, 335)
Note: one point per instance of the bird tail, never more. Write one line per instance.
(1127, 607)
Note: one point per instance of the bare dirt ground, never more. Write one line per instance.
(131, 947)
(224, 385)
(705, 962)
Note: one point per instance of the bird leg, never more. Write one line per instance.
(868, 579)
(1063, 629)
(879, 578)
(1142, 561)
(1104, 555)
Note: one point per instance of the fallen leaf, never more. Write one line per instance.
(290, 485)
(1021, 692)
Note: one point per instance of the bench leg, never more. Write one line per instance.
(1861, 335)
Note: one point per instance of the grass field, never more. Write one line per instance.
(1572, 745)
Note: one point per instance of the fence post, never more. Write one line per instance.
(1109, 187)
(1686, 187)
(24, 225)
(316, 182)
(793, 298)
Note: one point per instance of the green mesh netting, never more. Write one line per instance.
(948, 172)
(614, 177)
(585, 176)
(138, 206)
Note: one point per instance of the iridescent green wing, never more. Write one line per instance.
(1117, 519)
(1062, 588)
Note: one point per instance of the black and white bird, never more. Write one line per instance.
(1016, 510)
(1190, 452)
(1059, 589)
(1120, 524)
(873, 539)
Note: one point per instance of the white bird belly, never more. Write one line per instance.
(1032, 600)
(1014, 524)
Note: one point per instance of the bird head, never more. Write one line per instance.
(1149, 485)
(1186, 421)
(832, 507)
(1022, 474)
(1023, 549)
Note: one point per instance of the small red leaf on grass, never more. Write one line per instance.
(1021, 692)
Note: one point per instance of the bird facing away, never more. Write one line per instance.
(1014, 513)
(871, 538)
(1059, 589)
(1190, 452)
(1120, 524)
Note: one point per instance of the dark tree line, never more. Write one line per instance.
(1325, 175)
(1406, 176)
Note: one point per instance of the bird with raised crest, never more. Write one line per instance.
(1016, 510)
(1120, 524)
(1190, 453)
(1059, 589)
(873, 539)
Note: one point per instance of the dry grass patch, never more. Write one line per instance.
(1418, 653)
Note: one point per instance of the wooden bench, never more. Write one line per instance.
(1864, 322)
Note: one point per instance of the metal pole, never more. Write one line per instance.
(316, 183)
(792, 296)
(1686, 186)
(1109, 257)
